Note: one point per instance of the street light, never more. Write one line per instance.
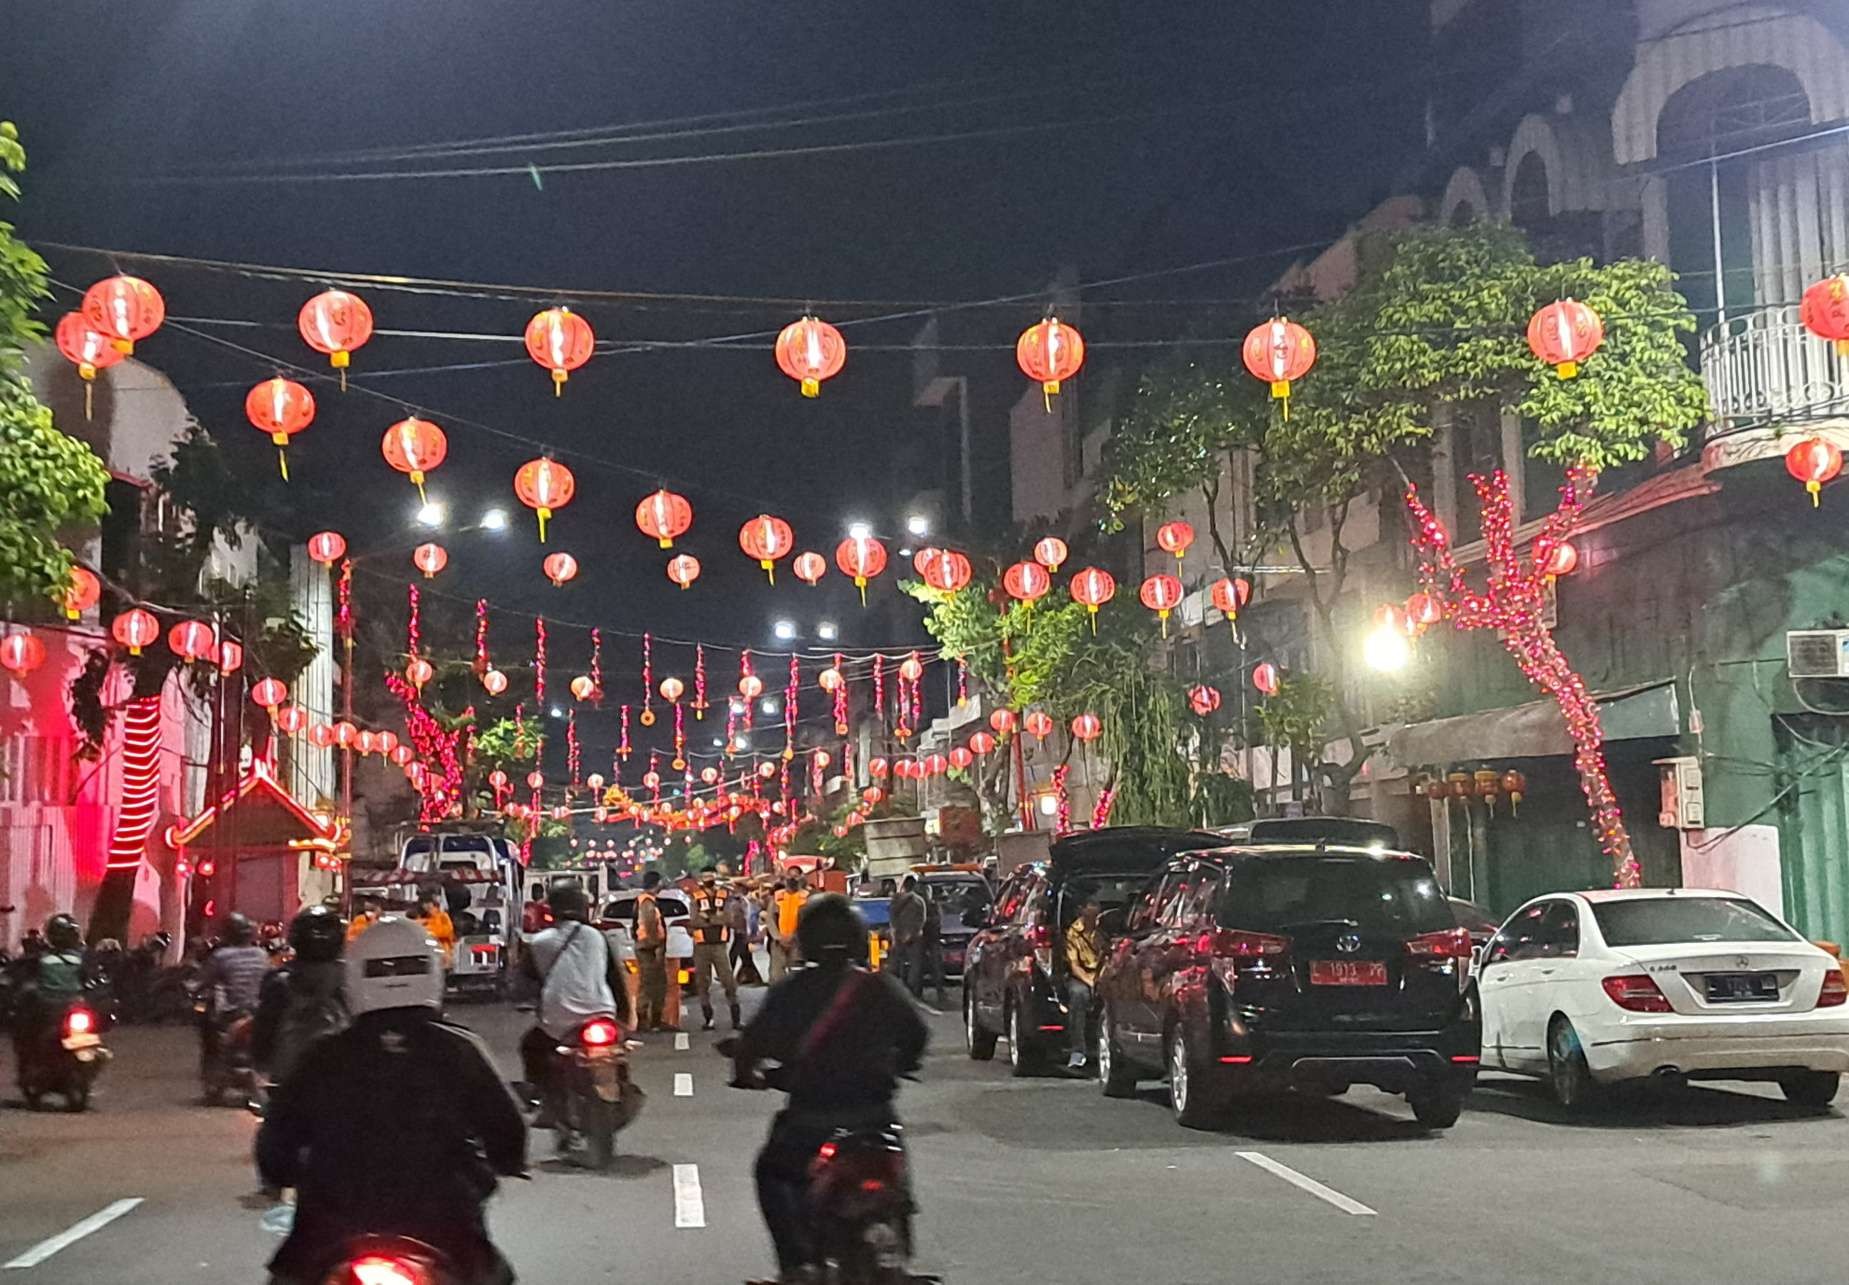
(769, 706)
(784, 629)
(557, 712)
(1386, 649)
(918, 524)
(431, 514)
(827, 631)
(859, 531)
(494, 520)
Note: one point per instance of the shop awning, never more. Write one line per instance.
(1536, 730)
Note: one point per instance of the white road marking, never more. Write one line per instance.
(683, 1084)
(75, 1232)
(680, 1041)
(689, 1204)
(1315, 1188)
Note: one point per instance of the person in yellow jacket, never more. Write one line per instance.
(363, 918)
(437, 923)
(786, 906)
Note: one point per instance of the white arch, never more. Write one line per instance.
(1574, 158)
(1740, 36)
(1465, 189)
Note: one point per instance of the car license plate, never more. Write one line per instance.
(1734, 988)
(1347, 972)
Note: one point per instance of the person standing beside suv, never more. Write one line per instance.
(1084, 953)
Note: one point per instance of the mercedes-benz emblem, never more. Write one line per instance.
(1348, 943)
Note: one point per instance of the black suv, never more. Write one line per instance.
(1014, 972)
(1313, 967)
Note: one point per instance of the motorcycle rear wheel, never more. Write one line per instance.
(599, 1120)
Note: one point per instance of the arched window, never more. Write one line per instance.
(1528, 201)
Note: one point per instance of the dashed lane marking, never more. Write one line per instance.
(75, 1232)
(689, 1204)
(683, 1084)
(1302, 1181)
(680, 1041)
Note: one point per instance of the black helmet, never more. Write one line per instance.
(62, 933)
(568, 902)
(317, 935)
(830, 930)
(238, 930)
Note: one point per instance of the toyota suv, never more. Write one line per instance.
(1014, 973)
(1310, 967)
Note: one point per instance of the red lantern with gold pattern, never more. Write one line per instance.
(429, 558)
(335, 322)
(191, 639)
(561, 341)
(1093, 587)
(1049, 353)
(1565, 333)
(982, 743)
(545, 486)
(327, 547)
(126, 309)
(21, 653)
(269, 693)
(1051, 552)
(82, 592)
(863, 558)
(962, 758)
(1039, 724)
(810, 350)
(1229, 594)
(664, 515)
(1279, 352)
(683, 569)
(1562, 560)
(1825, 311)
(559, 567)
(1175, 537)
(948, 573)
(1002, 720)
(1161, 594)
(1027, 581)
(767, 539)
(419, 671)
(282, 408)
(1265, 678)
(1087, 727)
(1814, 461)
(134, 629)
(292, 720)
(86, 348)
(414, 447)
(810, 567)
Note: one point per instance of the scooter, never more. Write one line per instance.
(385, 1260)
(67, 1061)
(592, 1096)
(229, 1070)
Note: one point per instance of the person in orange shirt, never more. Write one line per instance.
(788, 904)
(363, 918)
(436, 921)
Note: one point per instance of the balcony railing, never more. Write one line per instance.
(1764, 366)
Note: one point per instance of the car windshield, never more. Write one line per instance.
(1657, 921)
(1377, 894)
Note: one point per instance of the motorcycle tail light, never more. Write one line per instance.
(599, 1033)
(79, 1021)
(828, 1151)
(377, 1269)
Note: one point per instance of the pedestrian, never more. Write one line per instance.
(908, 921)
(437, 923)
(364, 917)
(651, 956)
(933, 961)
(1084, 951)
(711, 926)
(534, 916)
(787, 902)
(744, 927)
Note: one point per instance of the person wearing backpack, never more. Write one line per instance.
(303, 1000)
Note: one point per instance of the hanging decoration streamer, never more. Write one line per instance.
(622, 744)
(648, 680)
(539, 660)
(597, 666)
(745, 677)
(1101, 811)
(840, 699)
(791, 695)
(699, 681)
(962, 681)
(573, 758)
(343, 603)
(879, 689)
(1062, 820)
(413, 626)
(680, 735)
(482, 665)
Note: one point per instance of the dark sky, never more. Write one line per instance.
(1215, 129)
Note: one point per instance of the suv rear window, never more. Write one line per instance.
(1378, 894)
(1656, 921)
(1347, 830)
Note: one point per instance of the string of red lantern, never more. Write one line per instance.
(810, 350)
(86, 348)
(335, 323)
(281, 408)
(1049, 353)
(561, 341)
(545, 486)
(414, 447)
(1279, 352)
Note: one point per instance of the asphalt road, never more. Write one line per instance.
(1020, 1180)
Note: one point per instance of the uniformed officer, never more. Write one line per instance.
(711, 926)
(651, 956)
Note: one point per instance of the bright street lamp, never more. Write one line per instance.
(784, 629)
(1386, 649)
(859, 531)
(431, 514)
(494, 520)
(827, 631)
(918, 524)
(769, 706)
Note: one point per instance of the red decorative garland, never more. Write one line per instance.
(539, 661)
(482, 664)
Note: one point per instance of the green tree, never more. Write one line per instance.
(48, 481)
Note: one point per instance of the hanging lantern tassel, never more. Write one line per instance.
(1092, 609)
(770, 574)
(282, 455)
(544, 513)
(88, 372)
(1163, 617)
(417, 474)
(860, 583)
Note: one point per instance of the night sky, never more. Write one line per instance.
(1184, 133)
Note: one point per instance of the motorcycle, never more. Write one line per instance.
(385, 1260)
(229, 1070)
(67, 1060)
(592, 1097)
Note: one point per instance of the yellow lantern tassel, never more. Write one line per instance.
(1094, 619)
(860, 583)
(559, 376)
(1568, 369)
(417, 480)
(1163, 616)
(666, 543)
(544, 513)
(1816, 493)
(770, 569)
(812, 388)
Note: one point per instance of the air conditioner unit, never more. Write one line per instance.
(1817, 653)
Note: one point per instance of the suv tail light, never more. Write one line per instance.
(1835, 990)
(1450, 943)
(1636, 993)
(1233, 943)
(598, 1033)
(1040, 938)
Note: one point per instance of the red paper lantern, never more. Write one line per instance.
(414, 447)
(125, 308)
(230, 656)
(1175, 537)
(961, 758)
(767, 539)
(561, 341)
(1565, 333)
(936, 765)
(672, 690)
(925, 559)
(384, 742)
(1814, 461)
(269, 693)
(292, 720)
(664, 515)
(429, 558)
(367, 742)
(21, 653)
(1425, 610)
(1087, 727)
(1093, 587)
(1229, 595)
(559, 567)
(683, 569)
(1265, 678)
(327, 547)
(1161, 594)
(135, 629)
(320, 735)
(494, 682)
(282, 408)
(948, 573)
(536, 780)
(191, 639)
(830, 679)
(1027, 581)
(982, 743)
(750, 686)
(402, 755)
(810, 567)
(1562, 559)
(861, 557)
(1051, 552)
(810, 350)
(583, 687)
(1279, 352)
(82, 593)
(1825, 311)
(872, 795)
(911, 669)
(420, 671)
(544, 485)
(1002, 720)
(1039, 724)
(1050, 352)
(877, 768)
(335, 322)
(86, 348)
(1203, 700)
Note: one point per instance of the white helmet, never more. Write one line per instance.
(393, 964)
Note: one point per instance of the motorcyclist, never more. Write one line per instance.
(304, 999)
(576, 972)
(52, 979)
(229, 981)
(396, 1125)
(843, 1036)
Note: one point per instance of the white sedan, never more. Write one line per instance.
(1592, 988)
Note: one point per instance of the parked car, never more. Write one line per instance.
(963, 898)
(618, 922)
(1263, 968)
(1355, 831)
(1593, 988)
(1014, 971)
